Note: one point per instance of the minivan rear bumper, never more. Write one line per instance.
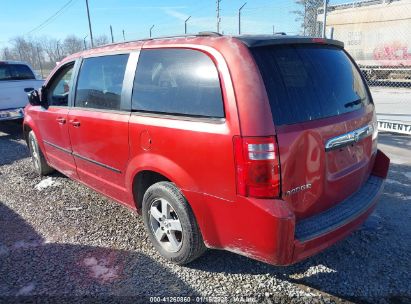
(322, 230)
(267, 230)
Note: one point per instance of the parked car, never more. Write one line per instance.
(265, 146)
(17, 78)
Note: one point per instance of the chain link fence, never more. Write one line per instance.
(377, 33)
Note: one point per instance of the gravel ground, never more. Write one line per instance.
(61, 241)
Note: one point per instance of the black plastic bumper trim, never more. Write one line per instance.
(341, 214)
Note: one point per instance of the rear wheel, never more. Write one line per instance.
(171, 225)
(39, 161)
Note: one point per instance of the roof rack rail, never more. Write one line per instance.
(209, 33)
(200, 34)
(167, 37)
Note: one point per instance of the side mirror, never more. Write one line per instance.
(34, 98)
(37, 98)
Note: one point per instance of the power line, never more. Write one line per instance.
(51, 18)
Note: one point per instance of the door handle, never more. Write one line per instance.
(61, 120)
(75, 123)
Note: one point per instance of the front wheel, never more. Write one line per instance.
(171, 225)
(39, 161)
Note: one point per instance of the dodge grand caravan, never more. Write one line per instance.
(265, 146)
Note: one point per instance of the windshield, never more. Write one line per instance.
(309, 82)
(15, 72)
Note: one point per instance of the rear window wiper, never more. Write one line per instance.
(353, 103)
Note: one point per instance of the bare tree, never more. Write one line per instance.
(307, 16)
(51, 48)
(24, 48)
(100, 40)
(72, 44)
(43, 53)
(8, 54)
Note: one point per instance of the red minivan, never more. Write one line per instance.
(265, 146)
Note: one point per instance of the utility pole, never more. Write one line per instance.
(89, 25)
(124, 36)
(185, 25)
(273, 30)
(151, 28)
(325, 18)
(41, 66)
(58, 50)
(84, 41)
(218, 16)
(111, 31)
(239, 18)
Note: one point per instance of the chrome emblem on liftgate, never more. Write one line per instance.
(298, 189)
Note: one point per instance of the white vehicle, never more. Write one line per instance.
(17, 79)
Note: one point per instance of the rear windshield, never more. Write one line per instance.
(309, 82)
(15, 72)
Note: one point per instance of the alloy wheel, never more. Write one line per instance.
(165, 225)
(34, 153)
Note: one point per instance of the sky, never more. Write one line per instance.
(135, 17)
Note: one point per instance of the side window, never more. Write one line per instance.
(59, 88)
(100, 82)
(177, 81)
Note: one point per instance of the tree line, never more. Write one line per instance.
(42, 53)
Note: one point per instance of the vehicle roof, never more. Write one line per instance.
(207, 39)
(13, 62)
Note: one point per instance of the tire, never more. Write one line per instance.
(178, 246)
(18, 121)
(39, 161)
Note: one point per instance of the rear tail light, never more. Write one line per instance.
(257, 166)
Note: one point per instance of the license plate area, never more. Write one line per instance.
(17, 113)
